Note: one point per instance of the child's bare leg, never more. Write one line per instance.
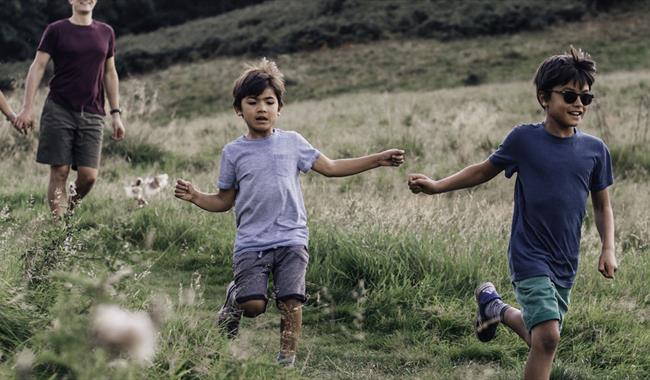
(252, 308)
(290, 325)
(513, 319)
(56, 192)
(545, 338)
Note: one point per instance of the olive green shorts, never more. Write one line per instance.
(541, 300)
(69, 138)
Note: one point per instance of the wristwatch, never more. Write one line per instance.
(116, 110)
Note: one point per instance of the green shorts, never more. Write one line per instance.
(541, 300)
(69, 138)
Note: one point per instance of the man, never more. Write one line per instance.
(72, 120)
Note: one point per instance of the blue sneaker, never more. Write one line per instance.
(486, 325)
(229, 315)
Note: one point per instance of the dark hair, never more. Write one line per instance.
(573, 66)
(257, 78)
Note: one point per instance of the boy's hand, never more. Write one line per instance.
(24, 121)
(419, 183)
(607, 263)
(391, 157)
(184, 190)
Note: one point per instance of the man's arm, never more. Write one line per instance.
(351, 166)
(112, 85)
(604, 218)
(217, 202)
(470, 176)
(25, 119)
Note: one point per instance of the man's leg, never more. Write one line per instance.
(86, 177)
(545, 338)
(56, 192)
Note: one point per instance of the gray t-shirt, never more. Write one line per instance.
(269, 208)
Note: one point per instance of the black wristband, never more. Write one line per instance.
(116, 110)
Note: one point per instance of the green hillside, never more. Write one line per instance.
(289, 26)
(618, 42)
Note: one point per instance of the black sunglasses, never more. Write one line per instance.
(570, 97)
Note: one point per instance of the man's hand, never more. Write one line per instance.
(184, 190)
(607, 265)
(24, 121)
(391, 157)
(419, 183)
(118, 128)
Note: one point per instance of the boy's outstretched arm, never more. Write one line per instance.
(470, 176)
(217, 202)
(350, 166)
(604, 218)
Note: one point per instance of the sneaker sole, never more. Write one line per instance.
(229, 326)
(485, 330)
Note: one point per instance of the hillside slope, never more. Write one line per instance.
(617, 42)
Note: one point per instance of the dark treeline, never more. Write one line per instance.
(22, 21)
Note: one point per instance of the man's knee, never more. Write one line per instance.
(59, 173)
(546, 336)
(86, 178)
(253, 308)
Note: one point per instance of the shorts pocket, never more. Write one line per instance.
(301, 251)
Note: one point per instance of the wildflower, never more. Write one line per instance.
(121, 331)
(24, 363)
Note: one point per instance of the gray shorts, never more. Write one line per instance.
(69, 138)
(288, 265)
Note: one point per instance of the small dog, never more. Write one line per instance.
(146, 188)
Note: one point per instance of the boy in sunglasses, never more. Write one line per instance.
(557, 166)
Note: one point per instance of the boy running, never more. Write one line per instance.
(557, 166)
(259, 175)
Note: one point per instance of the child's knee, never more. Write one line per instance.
(289, 305)
(546, 336)
(253, 308)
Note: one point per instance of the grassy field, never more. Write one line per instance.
(391, 274)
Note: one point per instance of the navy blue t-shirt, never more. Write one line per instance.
(554, 178)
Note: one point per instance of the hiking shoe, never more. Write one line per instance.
(229, 316)
(486, 325)
(286, 361)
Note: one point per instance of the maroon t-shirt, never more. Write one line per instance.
(79, 53)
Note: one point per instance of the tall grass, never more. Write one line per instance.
(391, 274)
